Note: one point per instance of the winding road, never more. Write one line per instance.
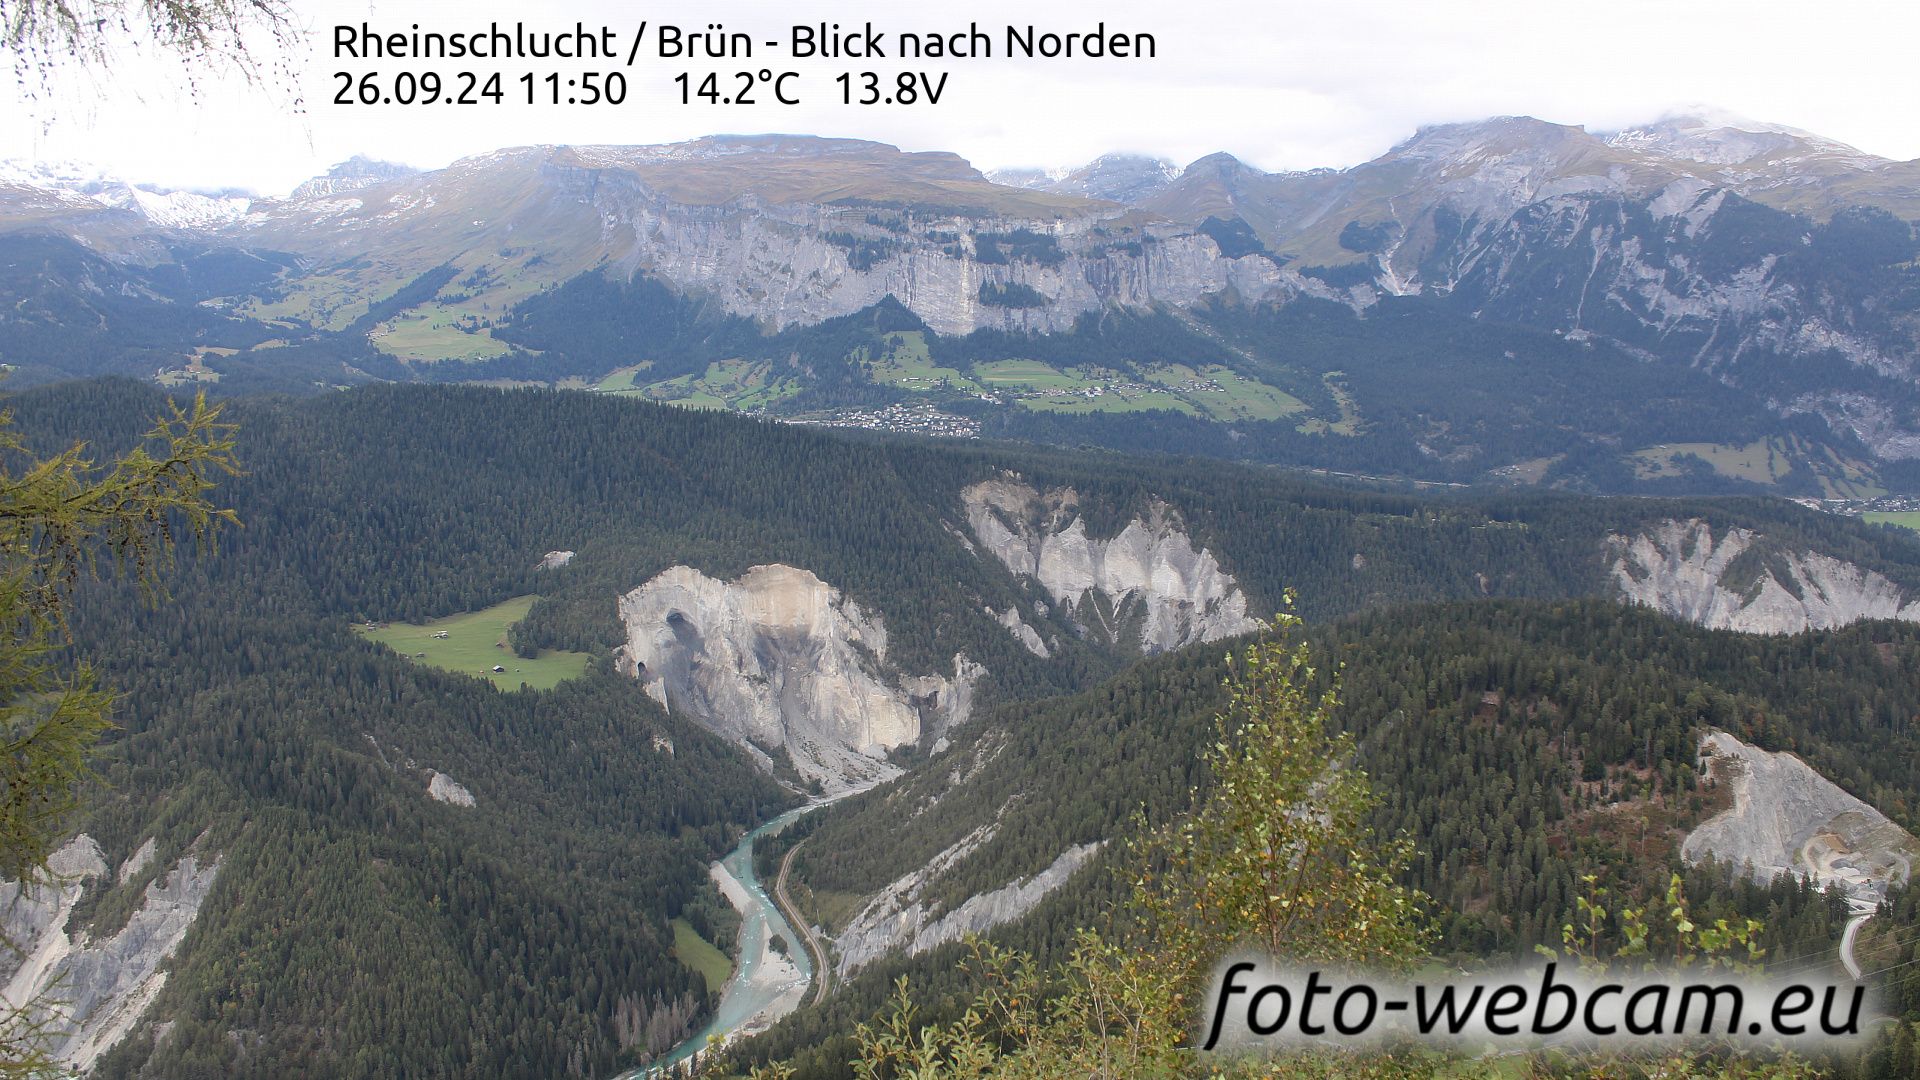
(1862, 911)
(823, 972)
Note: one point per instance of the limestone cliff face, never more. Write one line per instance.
(446, 789)
(779, 660)
(1788, 819)
(1681, 569)
(774, 264)
(1023, 633)
(783, 231)
(1147, 585)
(1661, 240)
(764, 251)
(899, 918)
(103, 985)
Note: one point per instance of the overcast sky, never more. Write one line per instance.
(1282, 85)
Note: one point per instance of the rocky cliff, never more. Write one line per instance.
(1738, 582)
(780, 229)
(1693, 273)
(777, 265)
(1788, 819)
(1716, 244)
(1146, 586)
(93, 990)
(900, 919)
(1023, 633)
(779, 661)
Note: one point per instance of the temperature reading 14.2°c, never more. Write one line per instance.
(783, 87)
(739, 88)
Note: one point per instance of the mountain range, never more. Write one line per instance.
(1689, 305)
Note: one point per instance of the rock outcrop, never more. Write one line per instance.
(944, 703)
(92, 991)
(1681, 569)
(899, 919)
(446, 789)
(1145, 586)
(731, 254)
(778, 660)
(1024, 634)
(136, 862)
(1788, 819)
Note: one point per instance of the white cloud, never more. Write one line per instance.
(1281, 85)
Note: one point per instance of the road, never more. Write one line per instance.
(1862, 911)
(823, 972)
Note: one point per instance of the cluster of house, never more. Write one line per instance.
(1883, 504)
(900, 419)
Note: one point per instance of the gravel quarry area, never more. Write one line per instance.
(1788, 819)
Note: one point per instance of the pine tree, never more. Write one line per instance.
(58, 517)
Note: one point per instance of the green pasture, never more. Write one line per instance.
(476, 643)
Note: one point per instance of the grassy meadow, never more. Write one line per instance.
(476, 643)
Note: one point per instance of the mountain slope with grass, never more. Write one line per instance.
(1501, 302)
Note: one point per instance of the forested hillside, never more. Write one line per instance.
(1521, 745)
(359, 926)
(411, 502)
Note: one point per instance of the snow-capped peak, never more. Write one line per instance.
(176, 209)
(78, 182)
(352, 174)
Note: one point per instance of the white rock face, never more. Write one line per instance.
(554, 560)
(952, 699)
(1788, 819)
(778, 660)
(101, 987)
(771, 262)
(1025, 634)
(136, 862)
(754, 242)
(1877, 423)
(1149, 572)
(444, 788)
(1680, 569)
(898, 919)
